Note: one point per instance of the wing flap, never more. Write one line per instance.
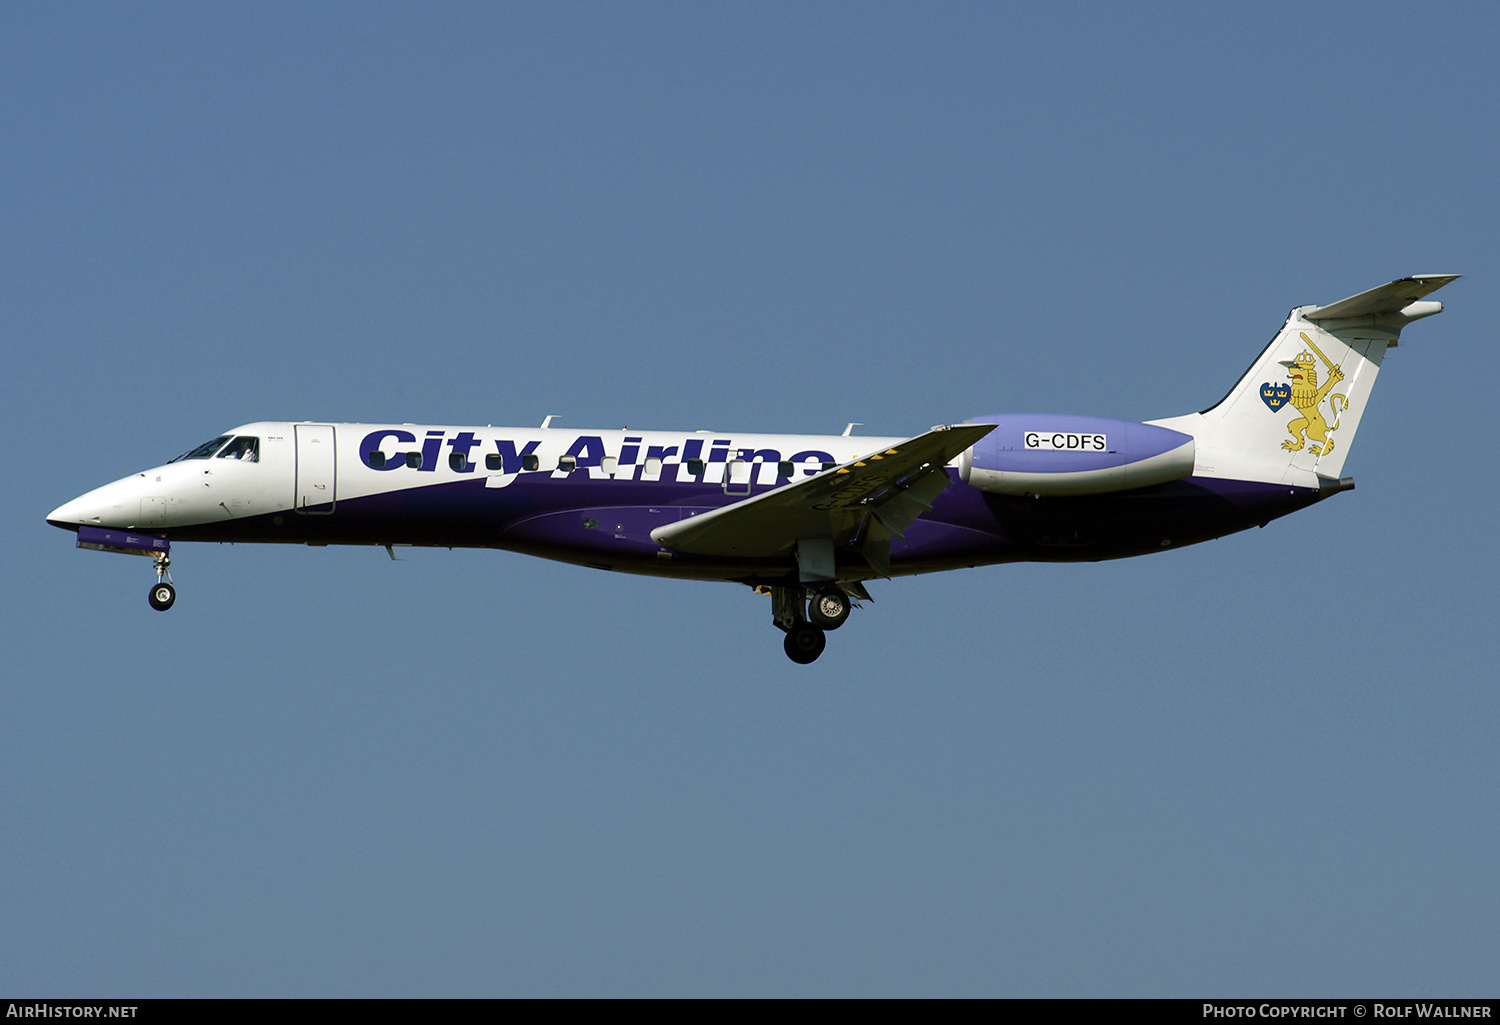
(896, 484)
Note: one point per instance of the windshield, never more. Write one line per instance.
(245, 449)
(204, 450)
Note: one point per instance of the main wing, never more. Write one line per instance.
(865, 502)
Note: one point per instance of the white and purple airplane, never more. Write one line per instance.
(806, 519)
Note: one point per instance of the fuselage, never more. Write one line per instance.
(806, 519)
(594, 497)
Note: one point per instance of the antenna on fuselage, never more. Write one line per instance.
(548, 421)
(850, 429)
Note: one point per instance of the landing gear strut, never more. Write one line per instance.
(163, 594)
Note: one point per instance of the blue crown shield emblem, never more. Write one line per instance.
(1275, 395)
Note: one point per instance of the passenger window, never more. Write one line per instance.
(737, 478)
(829, 466)
(377, 460)
(783, 469)
(695, 467)
(494, 462)
(568, 463)
(414, 460)
(458, 461)
(530, 461)
(653, 464)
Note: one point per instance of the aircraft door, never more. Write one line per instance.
(315, 469)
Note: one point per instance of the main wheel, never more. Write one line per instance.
(829, 608)
(162, 596)
(804, 643)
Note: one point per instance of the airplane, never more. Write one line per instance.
(808, 520)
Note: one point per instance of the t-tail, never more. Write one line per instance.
(1292, 418)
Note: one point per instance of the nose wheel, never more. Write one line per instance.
(163, 594)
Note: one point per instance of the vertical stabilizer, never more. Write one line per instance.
(1293, 415)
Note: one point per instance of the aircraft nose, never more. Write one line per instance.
(109, 506)
(65, 515)
(77, 513)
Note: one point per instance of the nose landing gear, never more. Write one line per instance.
(163, 594)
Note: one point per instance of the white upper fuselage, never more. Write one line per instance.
(292, 471)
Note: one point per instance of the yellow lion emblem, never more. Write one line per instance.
(1307, 396)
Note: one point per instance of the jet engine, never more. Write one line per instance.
(1055, 455)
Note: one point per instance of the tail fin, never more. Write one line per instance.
(1291, 418)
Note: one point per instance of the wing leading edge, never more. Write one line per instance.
(865, 502)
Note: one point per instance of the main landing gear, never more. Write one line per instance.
(804, 643)
(829, 608)
(163, 594)
(806, 622)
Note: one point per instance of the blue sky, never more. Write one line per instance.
(1265, 764)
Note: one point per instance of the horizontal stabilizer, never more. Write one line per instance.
(829, 505)
(1386, 299)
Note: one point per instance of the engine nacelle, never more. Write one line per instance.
(1050, 454)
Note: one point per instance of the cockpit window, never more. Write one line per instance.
(246, 450)
(203, 451)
